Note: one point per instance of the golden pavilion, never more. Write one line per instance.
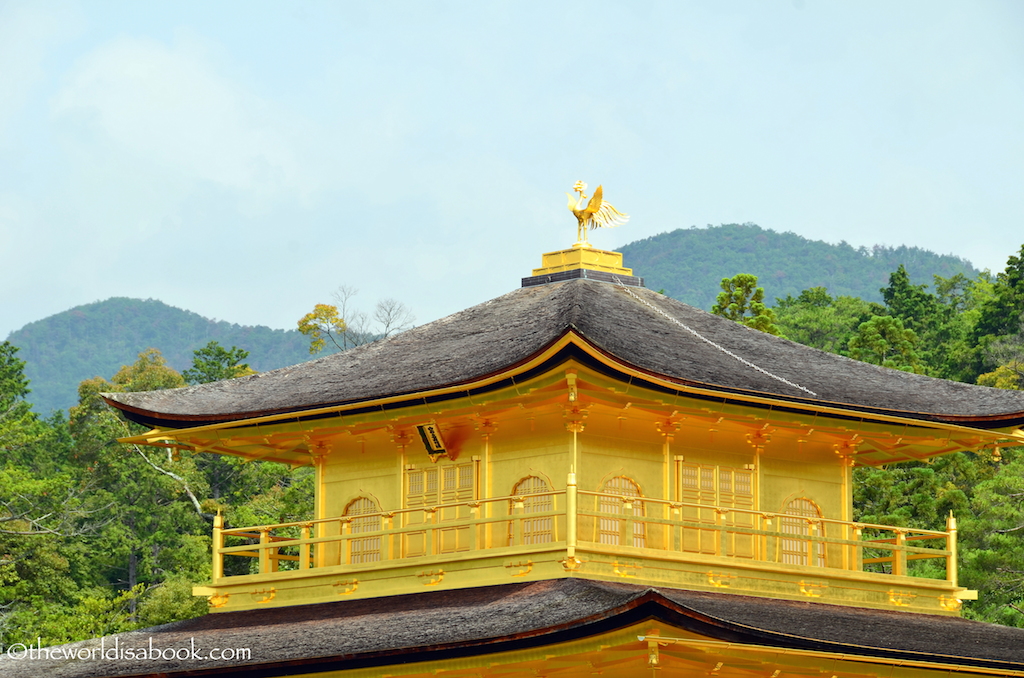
(583, 477)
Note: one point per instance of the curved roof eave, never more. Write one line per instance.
(505, 617)
(637, 331)
(572, 345)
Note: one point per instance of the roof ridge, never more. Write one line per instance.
(708, 341)
(576, 306)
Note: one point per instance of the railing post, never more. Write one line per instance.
(951, 559)
(264, 558)
(430, 535)
(628, 526)
(768, 541)
(849, 552)
(815, 529)
(218, 544)
(474, 529)
(517, 521)
(387, 544)
(720, 545)
(675, 515)
(858, 549)
(570, 516)
(899, 560)
(304, 549)
(345, 545)
(320, 550)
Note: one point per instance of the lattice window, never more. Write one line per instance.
(724, 487)
(364, 549)
(436, 486)
(802, 519)
(535, 530)
(610, 529)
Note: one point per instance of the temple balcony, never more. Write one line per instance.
(576, 533)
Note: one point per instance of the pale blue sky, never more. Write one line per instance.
(243, 159)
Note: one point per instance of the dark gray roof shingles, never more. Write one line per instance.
(492, 336)
(470, 621)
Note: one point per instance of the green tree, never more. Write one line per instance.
(1001, 314)
(816, 319)
(884, 341)
(991, 548)
(742, 300)
(908, 302)
(953, 352)
(16, 417)
(155, 523)
(47, 505)
(1008, 353)
(155, 541)
(213, 363)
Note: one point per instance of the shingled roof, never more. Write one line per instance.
(634, 327)
(473, 622)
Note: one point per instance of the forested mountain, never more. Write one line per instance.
(690, 263)
(98, 338)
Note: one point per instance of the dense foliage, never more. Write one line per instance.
(742, 300)
(689, 263)
(98, 537)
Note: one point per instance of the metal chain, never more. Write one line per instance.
(708, 341)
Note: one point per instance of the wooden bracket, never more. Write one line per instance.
(669, 427)
(571, 563)
(760, 437)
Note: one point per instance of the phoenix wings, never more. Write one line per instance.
(596, 214)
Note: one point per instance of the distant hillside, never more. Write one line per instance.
(97, 339)
(689, 264)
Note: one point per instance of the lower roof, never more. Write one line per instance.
(471, 622)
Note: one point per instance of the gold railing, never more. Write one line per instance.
(687, 528)
(582, 520)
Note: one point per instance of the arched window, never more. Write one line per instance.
(535, 530)
(363, 549)
(610, 529)
(802, 519)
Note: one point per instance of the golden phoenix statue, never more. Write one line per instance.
(597, 214)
